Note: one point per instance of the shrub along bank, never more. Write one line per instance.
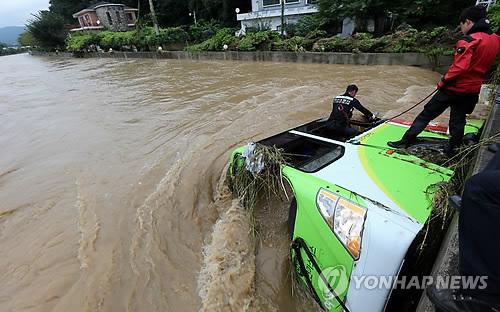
(439, 40)
(210, 37)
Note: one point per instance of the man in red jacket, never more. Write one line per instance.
(459, 88)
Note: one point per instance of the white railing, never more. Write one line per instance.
(487, 3)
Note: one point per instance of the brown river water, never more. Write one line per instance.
(109, 178)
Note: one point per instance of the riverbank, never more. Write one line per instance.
(408, 59)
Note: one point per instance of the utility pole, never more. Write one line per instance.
(282, 17)
(153, 14)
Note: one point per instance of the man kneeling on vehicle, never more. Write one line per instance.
(339, 123)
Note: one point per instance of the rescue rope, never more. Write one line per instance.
(380, 121)
(409, 109)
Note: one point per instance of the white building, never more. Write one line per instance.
(487, 3)
(266, 14)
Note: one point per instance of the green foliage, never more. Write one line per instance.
(296, 44)
(5, 50)
(203, 31)
(262, 40)
(419, 12)
(170, 13)
(48, 29)
(308, 26)
(143, 39)
(223, 37)
(66, 8)
(440, 40)
(404, 41)
(26, 39)
(334, 44)
(80, 42)
(172, 35)
(494, 16)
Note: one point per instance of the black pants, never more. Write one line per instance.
(345, 132)
(479, 227)
(461, 104)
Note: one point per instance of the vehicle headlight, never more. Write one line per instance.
(345, 218)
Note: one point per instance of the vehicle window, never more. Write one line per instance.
(304, 153)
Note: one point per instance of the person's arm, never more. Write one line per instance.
(464, 51)
(357, 105)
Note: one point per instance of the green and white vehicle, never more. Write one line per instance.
(358, 207)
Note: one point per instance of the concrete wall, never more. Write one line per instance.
(58, 54)
(410, 59)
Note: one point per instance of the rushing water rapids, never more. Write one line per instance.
(109, 173)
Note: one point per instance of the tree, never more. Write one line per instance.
(26, 39)
(66, 8)
(153, 15)
(48, 29)
(419, 13)
(494, 15)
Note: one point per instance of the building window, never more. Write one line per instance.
(130, 18)
(87, 20)
(118, 17)
(277, 2)
(110, 20)
(270, 2)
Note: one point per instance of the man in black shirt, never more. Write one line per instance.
(339, 121)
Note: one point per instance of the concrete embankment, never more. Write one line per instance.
(409, 59)
(447, 261)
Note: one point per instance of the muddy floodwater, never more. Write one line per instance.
(110, 170)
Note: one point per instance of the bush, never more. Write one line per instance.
(203, 31)
(308, 24)
(317, 34)
(79, 42)
(172, 35)
(107, 40)
(494, 16)
(145, 38)
(363, 42)
(293, 44)
(262, 41)
(334, 44)
(217, 42)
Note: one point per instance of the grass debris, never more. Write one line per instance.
(247, 185)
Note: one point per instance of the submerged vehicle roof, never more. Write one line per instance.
(366, 166)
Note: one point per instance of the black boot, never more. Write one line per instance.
(399, 144)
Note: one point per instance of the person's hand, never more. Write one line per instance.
(441, 83)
